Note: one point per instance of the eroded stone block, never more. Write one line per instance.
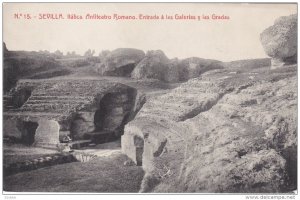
(47, 133)
(132, 148)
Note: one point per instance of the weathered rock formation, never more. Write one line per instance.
(193, 67)
(172, 72)
(83, 109)
(32, 65)
(222, 132)
(156, 65)
(152, 66)
(280, 41)
(120, 62)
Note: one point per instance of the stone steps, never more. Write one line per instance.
(179, 104)
(177, 95)
(174, 109)
(176, 104)
(60, 101)
(197, 84)
(8, 108)
(35, 114)
(57, 104)
(155, 116)
(62, 93)
(46, 107)
(7, 97)
(7, 102)
(197, 89)
(47, 97)
(190, 91)
(162, 113)
(39, 110)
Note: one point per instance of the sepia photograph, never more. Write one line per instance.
(150, 98)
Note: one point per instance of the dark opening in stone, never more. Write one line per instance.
(79, 128)
(20, 97)
(133, 145)
(139, 144)
(113, 113)
(28, 132)
(107, 123)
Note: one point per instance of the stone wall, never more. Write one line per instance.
(68, 107)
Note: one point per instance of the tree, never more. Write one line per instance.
(89, 53)
(103, 54)
(58, 54)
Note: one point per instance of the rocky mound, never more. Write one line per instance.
(280, 41)
(152, 66)
(193, 67)
(222, 132)
(120, 62)
(156, 65)
(18, 65)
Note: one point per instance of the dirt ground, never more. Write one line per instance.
(101, 175)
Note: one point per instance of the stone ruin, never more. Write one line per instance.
(42, 112)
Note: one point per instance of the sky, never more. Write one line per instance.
(226, 40)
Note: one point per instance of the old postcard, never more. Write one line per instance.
(185, 98)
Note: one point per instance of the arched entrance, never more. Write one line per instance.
(110, 118)
(107, 122)
(28, 132)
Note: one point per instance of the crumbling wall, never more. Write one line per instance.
(36, 132)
